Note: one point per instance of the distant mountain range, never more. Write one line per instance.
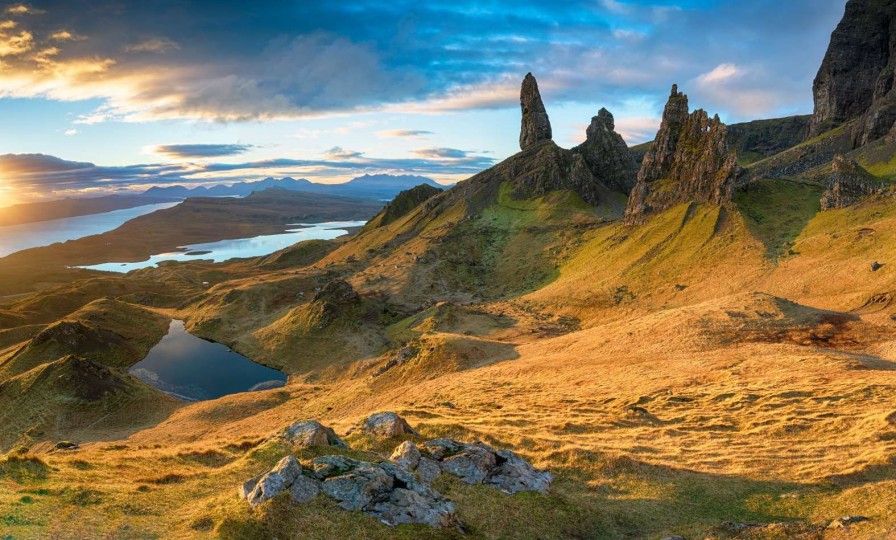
(379, 186)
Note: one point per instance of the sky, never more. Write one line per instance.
(107, 96)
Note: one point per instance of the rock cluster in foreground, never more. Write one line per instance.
(398, 490)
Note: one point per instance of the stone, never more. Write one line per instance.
(689, 161)
(536, 126)
(386, 424)
(408, 506)
(472, 465)
(849, 184)
(406, 455)
(246, 487)
(275, 481)
(846, 521)
(428, 470)
(327, 466)
(304, 489)
(312, 433)
(356, 489)
(673, 537)
(856, 78)
(514, 474)
(607, 155)
(875, 266)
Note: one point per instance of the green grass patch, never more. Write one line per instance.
(777, 210)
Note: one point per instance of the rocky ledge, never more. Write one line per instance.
(849, 184)
(396, 490)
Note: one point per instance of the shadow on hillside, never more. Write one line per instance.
(776, 210)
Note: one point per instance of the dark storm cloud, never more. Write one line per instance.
(232, 60)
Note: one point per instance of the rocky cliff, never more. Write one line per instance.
(849, 184)
(856, 78)
(536, 126)
(607, 155)
(689, 161)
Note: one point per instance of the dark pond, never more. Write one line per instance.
(194, 369)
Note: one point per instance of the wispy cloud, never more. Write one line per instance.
(404, 133)
(155, 45)
(200, 151)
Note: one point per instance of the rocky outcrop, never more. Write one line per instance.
(536, 126)
(689, 161)
(607, 155)
(478, 463)
(312, 433)
(385, 424)
(404, 202)
(398, 491)
(764, 138)
(856, 78)
(849, 184)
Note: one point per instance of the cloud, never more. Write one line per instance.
(71, 131)
(65, 35)
(404, 133)
(23, 9)
(441, 153)
(12, 164)
(417, 57)
(338, 153)
(200, 151)
(155, 45)
(718, 74)
(41, 176)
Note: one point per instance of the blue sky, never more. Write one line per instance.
(195, 92)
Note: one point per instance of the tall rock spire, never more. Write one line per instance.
(607, 155)
(536, 126)
(689, 161)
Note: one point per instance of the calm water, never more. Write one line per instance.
(239, 248)
(43, 233)
(194, 369)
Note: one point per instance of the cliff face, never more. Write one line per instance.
(536, 126)
(607, 155)
(689, 161)
(849, 184)
(856, 78)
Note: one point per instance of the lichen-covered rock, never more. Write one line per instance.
(275, 481)
(856, 78)
(608, 157)
(536, 126)
(304, 489)
(428, 470)
(406, 455)
(362, 485)
(312, 433)
(689, 161)
(386, 424)
(514, 474)
(478, 463)
(385, 490)
(849, 184)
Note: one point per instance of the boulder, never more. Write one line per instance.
(406, 455)
(359, 487)
(304, 489)
(386, 424)
(536, 126)
(478, 463)
(845, 521)
(275, 481)
(312, 433)
(428, 470)
(514, 474)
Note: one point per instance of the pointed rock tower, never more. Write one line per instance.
(688, 162)
(536, 125)
(607, 155)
